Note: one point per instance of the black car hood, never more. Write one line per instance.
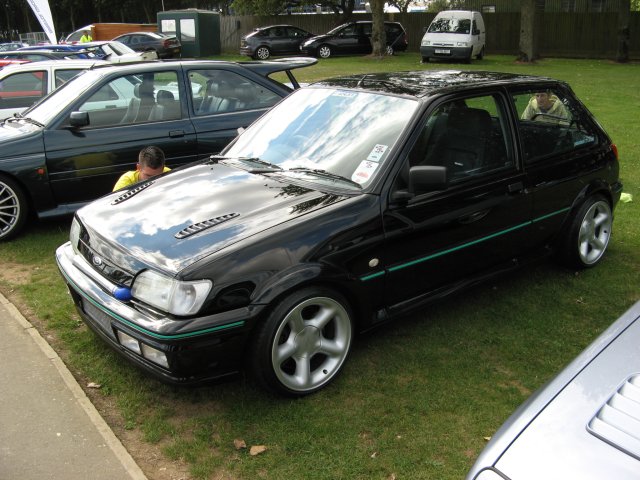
(319, 38)
(189, 214)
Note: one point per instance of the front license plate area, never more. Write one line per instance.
(443, 51)
(99, 319)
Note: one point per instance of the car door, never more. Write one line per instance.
(475, 224)
(125, 113)
(346, 41)
(224, 101)
(558, 148)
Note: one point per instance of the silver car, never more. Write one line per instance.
(584, 424)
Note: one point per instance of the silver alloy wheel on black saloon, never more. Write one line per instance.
(263, 53)
(13, 208)
(306, 341)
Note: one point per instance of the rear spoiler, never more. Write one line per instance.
(268, 67)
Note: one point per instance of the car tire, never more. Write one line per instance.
(13, 208)
(588, 234)
(324, 51)
(303, 343)
(480, 55)
(425, 59)
(389, 50)
(262, 53)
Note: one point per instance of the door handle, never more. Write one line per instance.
(176, 133)
(517, 187)
(474, 217)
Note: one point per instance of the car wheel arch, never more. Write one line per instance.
(308, 276)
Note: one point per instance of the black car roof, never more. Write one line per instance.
(421, 83)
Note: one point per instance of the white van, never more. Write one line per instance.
(457, 34)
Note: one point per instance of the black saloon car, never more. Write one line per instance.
(166, 46)
(354, 38)
(302, 233)
(264, 42)
(71, 147)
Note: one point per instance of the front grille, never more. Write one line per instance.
(618, 421)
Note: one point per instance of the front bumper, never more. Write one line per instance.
(197, 350)
(457, 53)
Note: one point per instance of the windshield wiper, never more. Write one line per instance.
(25, 119)
(324, 173)
(267, 167)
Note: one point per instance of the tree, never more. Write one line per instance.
(622, 55)
(528, 43)
(378, 35)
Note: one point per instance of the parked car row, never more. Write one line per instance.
(352, 38)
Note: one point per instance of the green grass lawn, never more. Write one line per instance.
(416, 398)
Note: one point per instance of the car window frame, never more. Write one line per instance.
(579, 114)
(515, 168)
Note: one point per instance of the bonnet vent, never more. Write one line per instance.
(618, 421)
(199, 227)
(130, 193)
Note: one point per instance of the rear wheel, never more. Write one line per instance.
(13, 208)
(588, 234)
(262, 53)
(389, 50)
(324, 51)
(303, 343)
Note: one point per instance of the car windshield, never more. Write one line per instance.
(451, 25)
(58, 100)
(328, 136)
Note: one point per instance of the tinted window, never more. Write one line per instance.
(468, 136)
(550, 123)
(63, 76)
(221, 91)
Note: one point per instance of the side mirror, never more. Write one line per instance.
(427, 178)
(79, 119)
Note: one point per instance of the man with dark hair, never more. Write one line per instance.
(150, 164)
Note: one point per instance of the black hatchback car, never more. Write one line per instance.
(354, 38)
(71, 147)
(264, 42)
(351, 202)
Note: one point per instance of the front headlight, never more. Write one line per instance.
(461, 44)
(74, 234)
(170, 295)
(426, 43)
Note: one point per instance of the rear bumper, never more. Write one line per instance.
(197, 350)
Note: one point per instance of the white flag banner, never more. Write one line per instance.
(43, 14)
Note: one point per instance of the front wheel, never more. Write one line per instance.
(480, 55)
(588, 234)
(13, 208)
(262, 53)
(425, 59)
(389, 50)
(303, 343)
(324, 51)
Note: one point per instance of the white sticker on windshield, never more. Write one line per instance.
(364, 171)
(377, 153)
